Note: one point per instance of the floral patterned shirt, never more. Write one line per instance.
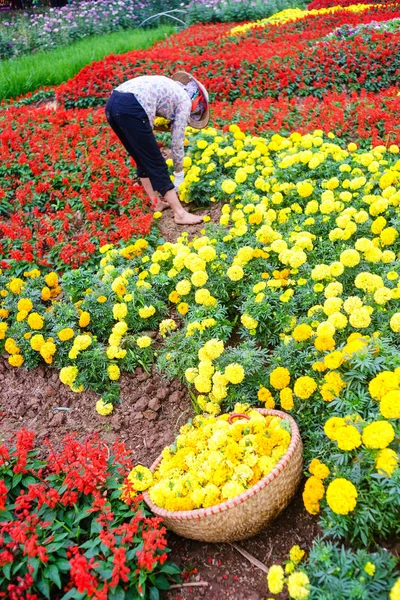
(163, 97)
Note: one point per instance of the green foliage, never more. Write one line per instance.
(226, 11)
(51, 67)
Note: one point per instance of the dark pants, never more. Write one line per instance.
(130, 122)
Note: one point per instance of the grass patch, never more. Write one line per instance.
(25, 74)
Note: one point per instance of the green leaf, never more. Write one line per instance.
(44, 587)
(34, 563)
(117, 594)
(29, 480)
(5, 515)
(53, 574)
(16, 479)
(162, 582)
(90, 544)
(154, 594)
(73, 594)
(95, 528)
(7, 570)
(63, 564)
(170, 569)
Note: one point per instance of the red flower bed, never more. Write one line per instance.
(272, 61)
(364, 118)
(67, 187)
(318, 4)
(65, 531)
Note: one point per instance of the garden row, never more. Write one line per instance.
(55, 164)
(303, 269)
(291, 300)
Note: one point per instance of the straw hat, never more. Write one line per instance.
(185, 78)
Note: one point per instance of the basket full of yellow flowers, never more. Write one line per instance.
(225, 478)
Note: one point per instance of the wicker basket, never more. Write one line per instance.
(245, 515)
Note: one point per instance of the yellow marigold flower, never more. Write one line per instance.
(378, 435)
(279, 378)
(296, 554)
(386, 461)
(144, 341)
(323, 343)
(213, 348)
(25, 304)
(234, 373)
(140, 478)
(395, 591)
(275, 579)
(21, 315)
(65, 334)
(302, 332)
(318, 469)
(348, 438)
(304, 387)
(384, 382)
(202, 384)
(264, 395)
(370, 568)
(341, 496)
(68, 375)
(350, 258)
(120, 311)
(84, 319)
(3, 329)
(388, 236)
(102, 299)
(333, 360)
(395, 322)
(325, 329)
(248, 321)
(166, 326)
(313, 492)
(182, 308)
(37, 341)
(228, 186)
(16, 360)
(332, 427)
(390, 405)
(183, 287)
(304, 189)
(298, 585)
(199, 278)
(47, 351)
(118, 286)
(113, 372)
(46, 294)
(235, 273)
(35, 321)
(146, 312)
(16, 285)
(360, 318)
(286, 398)
(104, 408)
(51, 279)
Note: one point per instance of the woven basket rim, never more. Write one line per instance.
(198, 513)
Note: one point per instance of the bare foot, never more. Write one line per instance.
(187, 219)
(160, 206)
